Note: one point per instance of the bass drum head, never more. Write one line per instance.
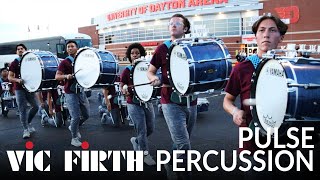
(271, 96)
(31, 71)
(179, 69)
(87, 67)
(139, 76)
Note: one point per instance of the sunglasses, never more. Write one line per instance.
(175, 24)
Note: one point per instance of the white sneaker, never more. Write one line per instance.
(149, 160)
(76, 142)
(78, 133)
(26, 134)
(134, 143)
(103, 118)
(131, 123)
(31, 129)
(171, 175)
(43, 121)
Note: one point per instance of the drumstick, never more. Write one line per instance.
(125, 87)
(249, 102)
(76, 72)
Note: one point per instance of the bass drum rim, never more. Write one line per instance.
(76, 67)
(133, 89)
(284, 125)
(42, 67)
(168, 57)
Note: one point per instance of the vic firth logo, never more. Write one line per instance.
(31, 159)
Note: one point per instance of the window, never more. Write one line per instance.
(221, 27)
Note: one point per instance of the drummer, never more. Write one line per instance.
(269, 32)
(108, 110)
(179, 118)
(76, 99)
(23, 97)
(142, 114)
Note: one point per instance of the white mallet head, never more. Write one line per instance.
(125, 87)
(109, 96)
(249, 102)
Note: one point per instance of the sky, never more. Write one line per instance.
(52, 17)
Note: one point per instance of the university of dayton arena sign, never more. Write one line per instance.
(161, 6)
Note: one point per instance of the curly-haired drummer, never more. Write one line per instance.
(142, 114)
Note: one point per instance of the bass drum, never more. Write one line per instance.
(94, 68)
(287, 93)
(198, 66)
(38, 71)
(145, 92)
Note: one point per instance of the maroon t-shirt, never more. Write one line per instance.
(55, 98)
(112, 91)
(125, 79)
(159, 60)
(240, 84)
(66, 68)
(15, 68)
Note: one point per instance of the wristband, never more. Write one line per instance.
(234, 110)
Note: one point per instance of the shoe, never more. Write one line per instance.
(26, 134)
(76, 142)
(135, 145)
(171, 175)
(103, 118)
(31, 129)
(131, 123)
(149, 160)
(43, 121)
(78, 133)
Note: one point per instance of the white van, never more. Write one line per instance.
(7, 59)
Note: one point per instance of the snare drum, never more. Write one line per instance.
(95, 68)
(286, 92)
(198, 66)
(139, 76)
(38, 70)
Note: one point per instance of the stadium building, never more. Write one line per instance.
(230, 20)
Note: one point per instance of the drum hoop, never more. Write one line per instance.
(184, 45)
(134, 91)
(254, 112)
(95, 85)
(42, 68)
(190, 88)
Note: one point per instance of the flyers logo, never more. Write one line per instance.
(290, 12)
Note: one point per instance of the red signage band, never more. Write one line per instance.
(149, 43)
(161, 6)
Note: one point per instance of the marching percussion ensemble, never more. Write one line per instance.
(194, 65)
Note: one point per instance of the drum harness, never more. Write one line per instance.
(77, 88)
